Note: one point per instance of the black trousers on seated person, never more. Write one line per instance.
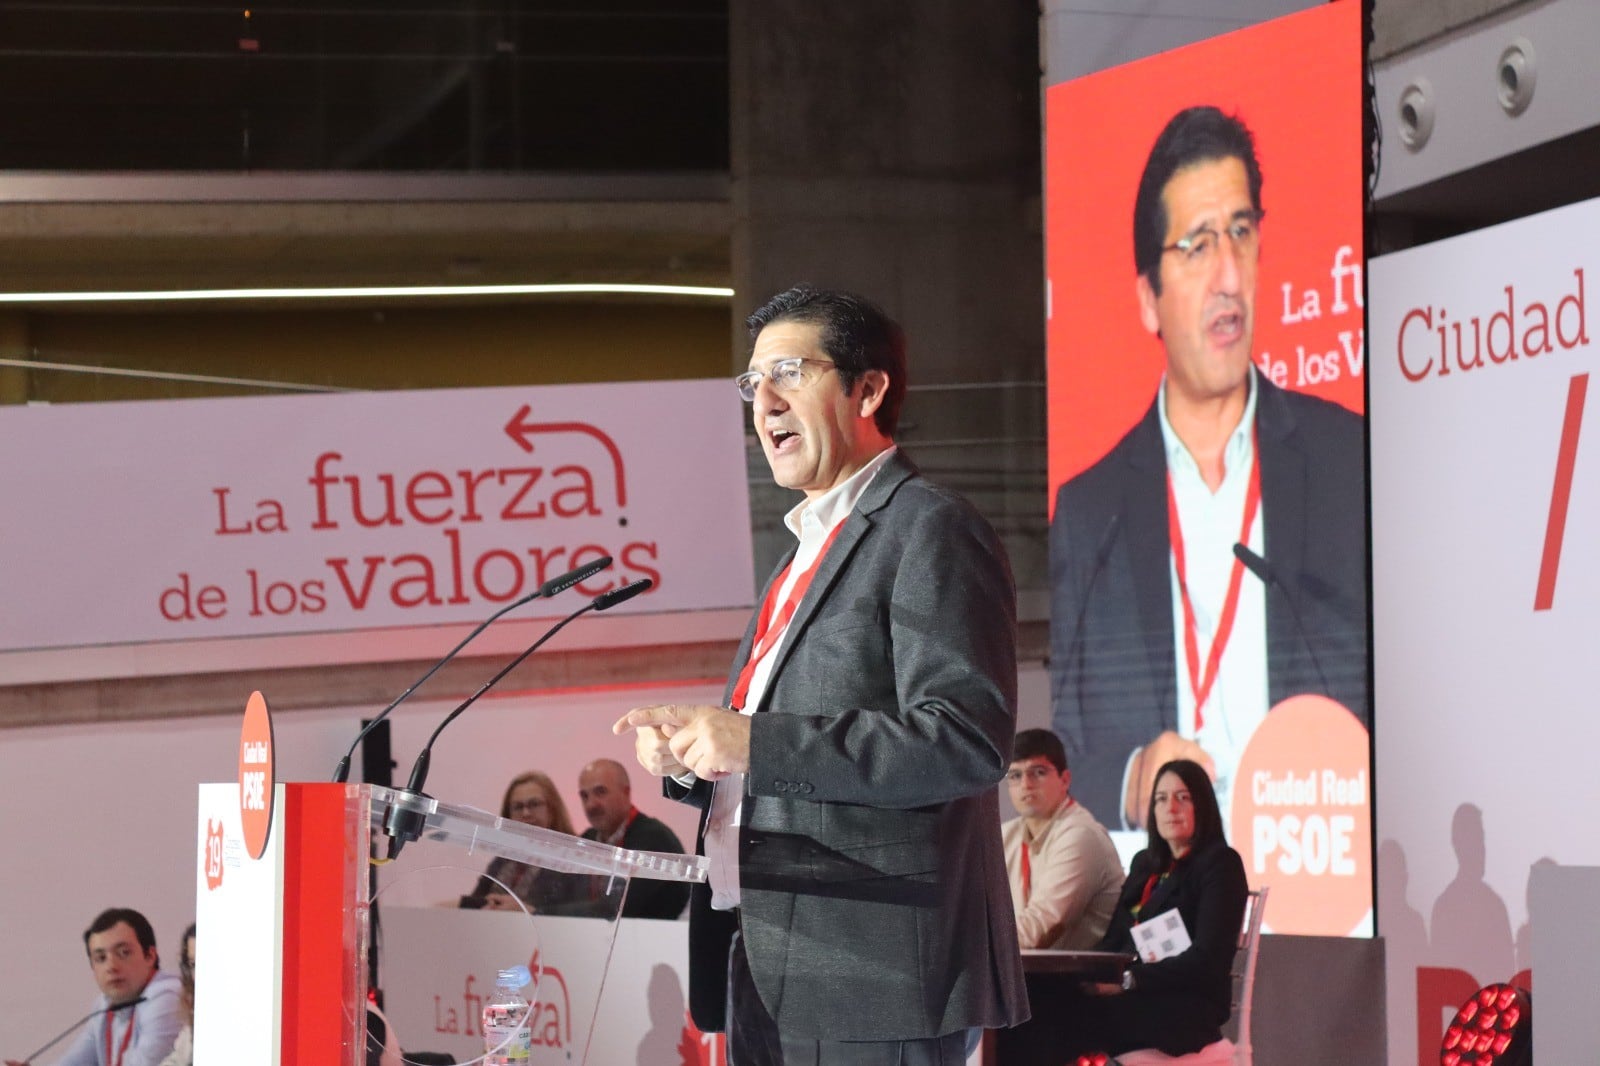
(1067, 1022)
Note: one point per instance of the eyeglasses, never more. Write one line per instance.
(1195, 248)
(121, 952)
(786, 375)
(1036, 774)
(527, 806)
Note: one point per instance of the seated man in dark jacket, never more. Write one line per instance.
(607, 799)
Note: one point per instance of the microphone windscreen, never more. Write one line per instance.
(621, 595)
(557, 585)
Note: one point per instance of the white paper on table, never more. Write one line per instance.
(1161, 937)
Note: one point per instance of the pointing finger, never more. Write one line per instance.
(662, 714)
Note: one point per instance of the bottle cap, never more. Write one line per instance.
(516, 977)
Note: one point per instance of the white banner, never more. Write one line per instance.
(439, 969)
(1486, 599)
(237, 904)
(137, 522)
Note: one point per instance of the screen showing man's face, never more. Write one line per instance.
(1205, 312)
(121, 967)
(1180, 141)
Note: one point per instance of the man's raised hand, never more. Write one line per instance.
(671, 738)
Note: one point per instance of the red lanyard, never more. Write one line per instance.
(622, 830)
(127, 1038)
(598, 882)
(1149, 890)
(769, 630)
(1027, 863)
(1200, 684)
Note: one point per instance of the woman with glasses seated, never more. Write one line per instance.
(532, 799)
(1179, 1004)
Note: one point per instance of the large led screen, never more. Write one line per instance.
(1208, 559)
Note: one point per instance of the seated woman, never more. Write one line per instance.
(183, 1048)
(1179, 1004)
(532, 799)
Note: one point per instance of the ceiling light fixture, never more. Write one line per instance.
(362, 292)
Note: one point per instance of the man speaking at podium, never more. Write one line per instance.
(858, 910)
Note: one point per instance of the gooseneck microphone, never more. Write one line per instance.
(69, 1030)
(554, 586)
(406, 825)
(1268, 576)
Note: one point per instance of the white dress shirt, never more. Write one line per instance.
(811, 521)
(154, 1023)
(1211, 521)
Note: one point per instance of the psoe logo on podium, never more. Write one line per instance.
(256, 783)
(1302, 815)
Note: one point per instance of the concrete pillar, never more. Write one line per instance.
(893, 149)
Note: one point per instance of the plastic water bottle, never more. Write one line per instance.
(507, 1040)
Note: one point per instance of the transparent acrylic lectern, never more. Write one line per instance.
(284, 942)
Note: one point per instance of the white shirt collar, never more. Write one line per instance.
(1240, 442)
(835, 505)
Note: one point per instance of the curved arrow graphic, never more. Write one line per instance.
(521, 430)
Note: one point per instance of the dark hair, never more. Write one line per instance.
(855, 333)
(186, 973)
(183, 950)
(1207, 816)
(1039, 744)
(114, 916)
(1194, 135)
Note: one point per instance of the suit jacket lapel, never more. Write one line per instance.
(1283, 502)
(1162, 899)
(1159, 896)
(857, 524)
(1144, 505)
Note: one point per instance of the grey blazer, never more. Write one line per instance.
(874, 897)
